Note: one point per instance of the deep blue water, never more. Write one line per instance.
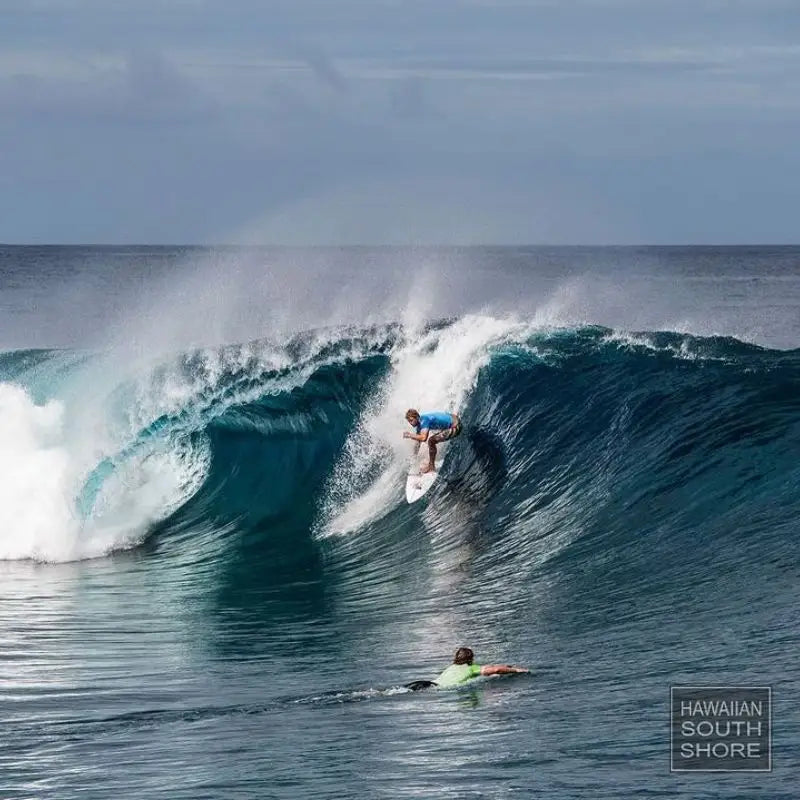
(213, 586)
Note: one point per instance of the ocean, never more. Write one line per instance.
(213, 587)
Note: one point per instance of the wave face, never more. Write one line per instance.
(579, 444)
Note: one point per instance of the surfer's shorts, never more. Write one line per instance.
(447, 433)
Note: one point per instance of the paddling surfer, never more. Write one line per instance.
(464, 669)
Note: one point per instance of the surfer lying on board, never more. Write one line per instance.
(444, 425)
(464, 669)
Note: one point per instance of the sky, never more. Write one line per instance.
(399, 121)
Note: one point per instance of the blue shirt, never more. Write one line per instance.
(435, 421)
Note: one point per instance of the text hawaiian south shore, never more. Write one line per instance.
(721, 728)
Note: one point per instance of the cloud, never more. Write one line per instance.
(294, 108)
(144, 87)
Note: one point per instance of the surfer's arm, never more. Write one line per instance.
(422, 436)
(501, 669)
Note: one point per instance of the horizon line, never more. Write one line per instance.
(396, 246)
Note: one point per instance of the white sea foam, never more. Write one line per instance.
(41, 472)
(35, 516)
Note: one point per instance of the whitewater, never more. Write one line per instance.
(204, 540)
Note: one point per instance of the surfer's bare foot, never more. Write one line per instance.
(427, 468)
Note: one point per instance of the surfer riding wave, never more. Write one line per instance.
(445, 425)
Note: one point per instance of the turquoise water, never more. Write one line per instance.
(213, 587)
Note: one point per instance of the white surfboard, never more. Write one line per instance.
(417, 485)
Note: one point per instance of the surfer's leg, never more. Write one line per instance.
(438, 438)
(432, 442)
